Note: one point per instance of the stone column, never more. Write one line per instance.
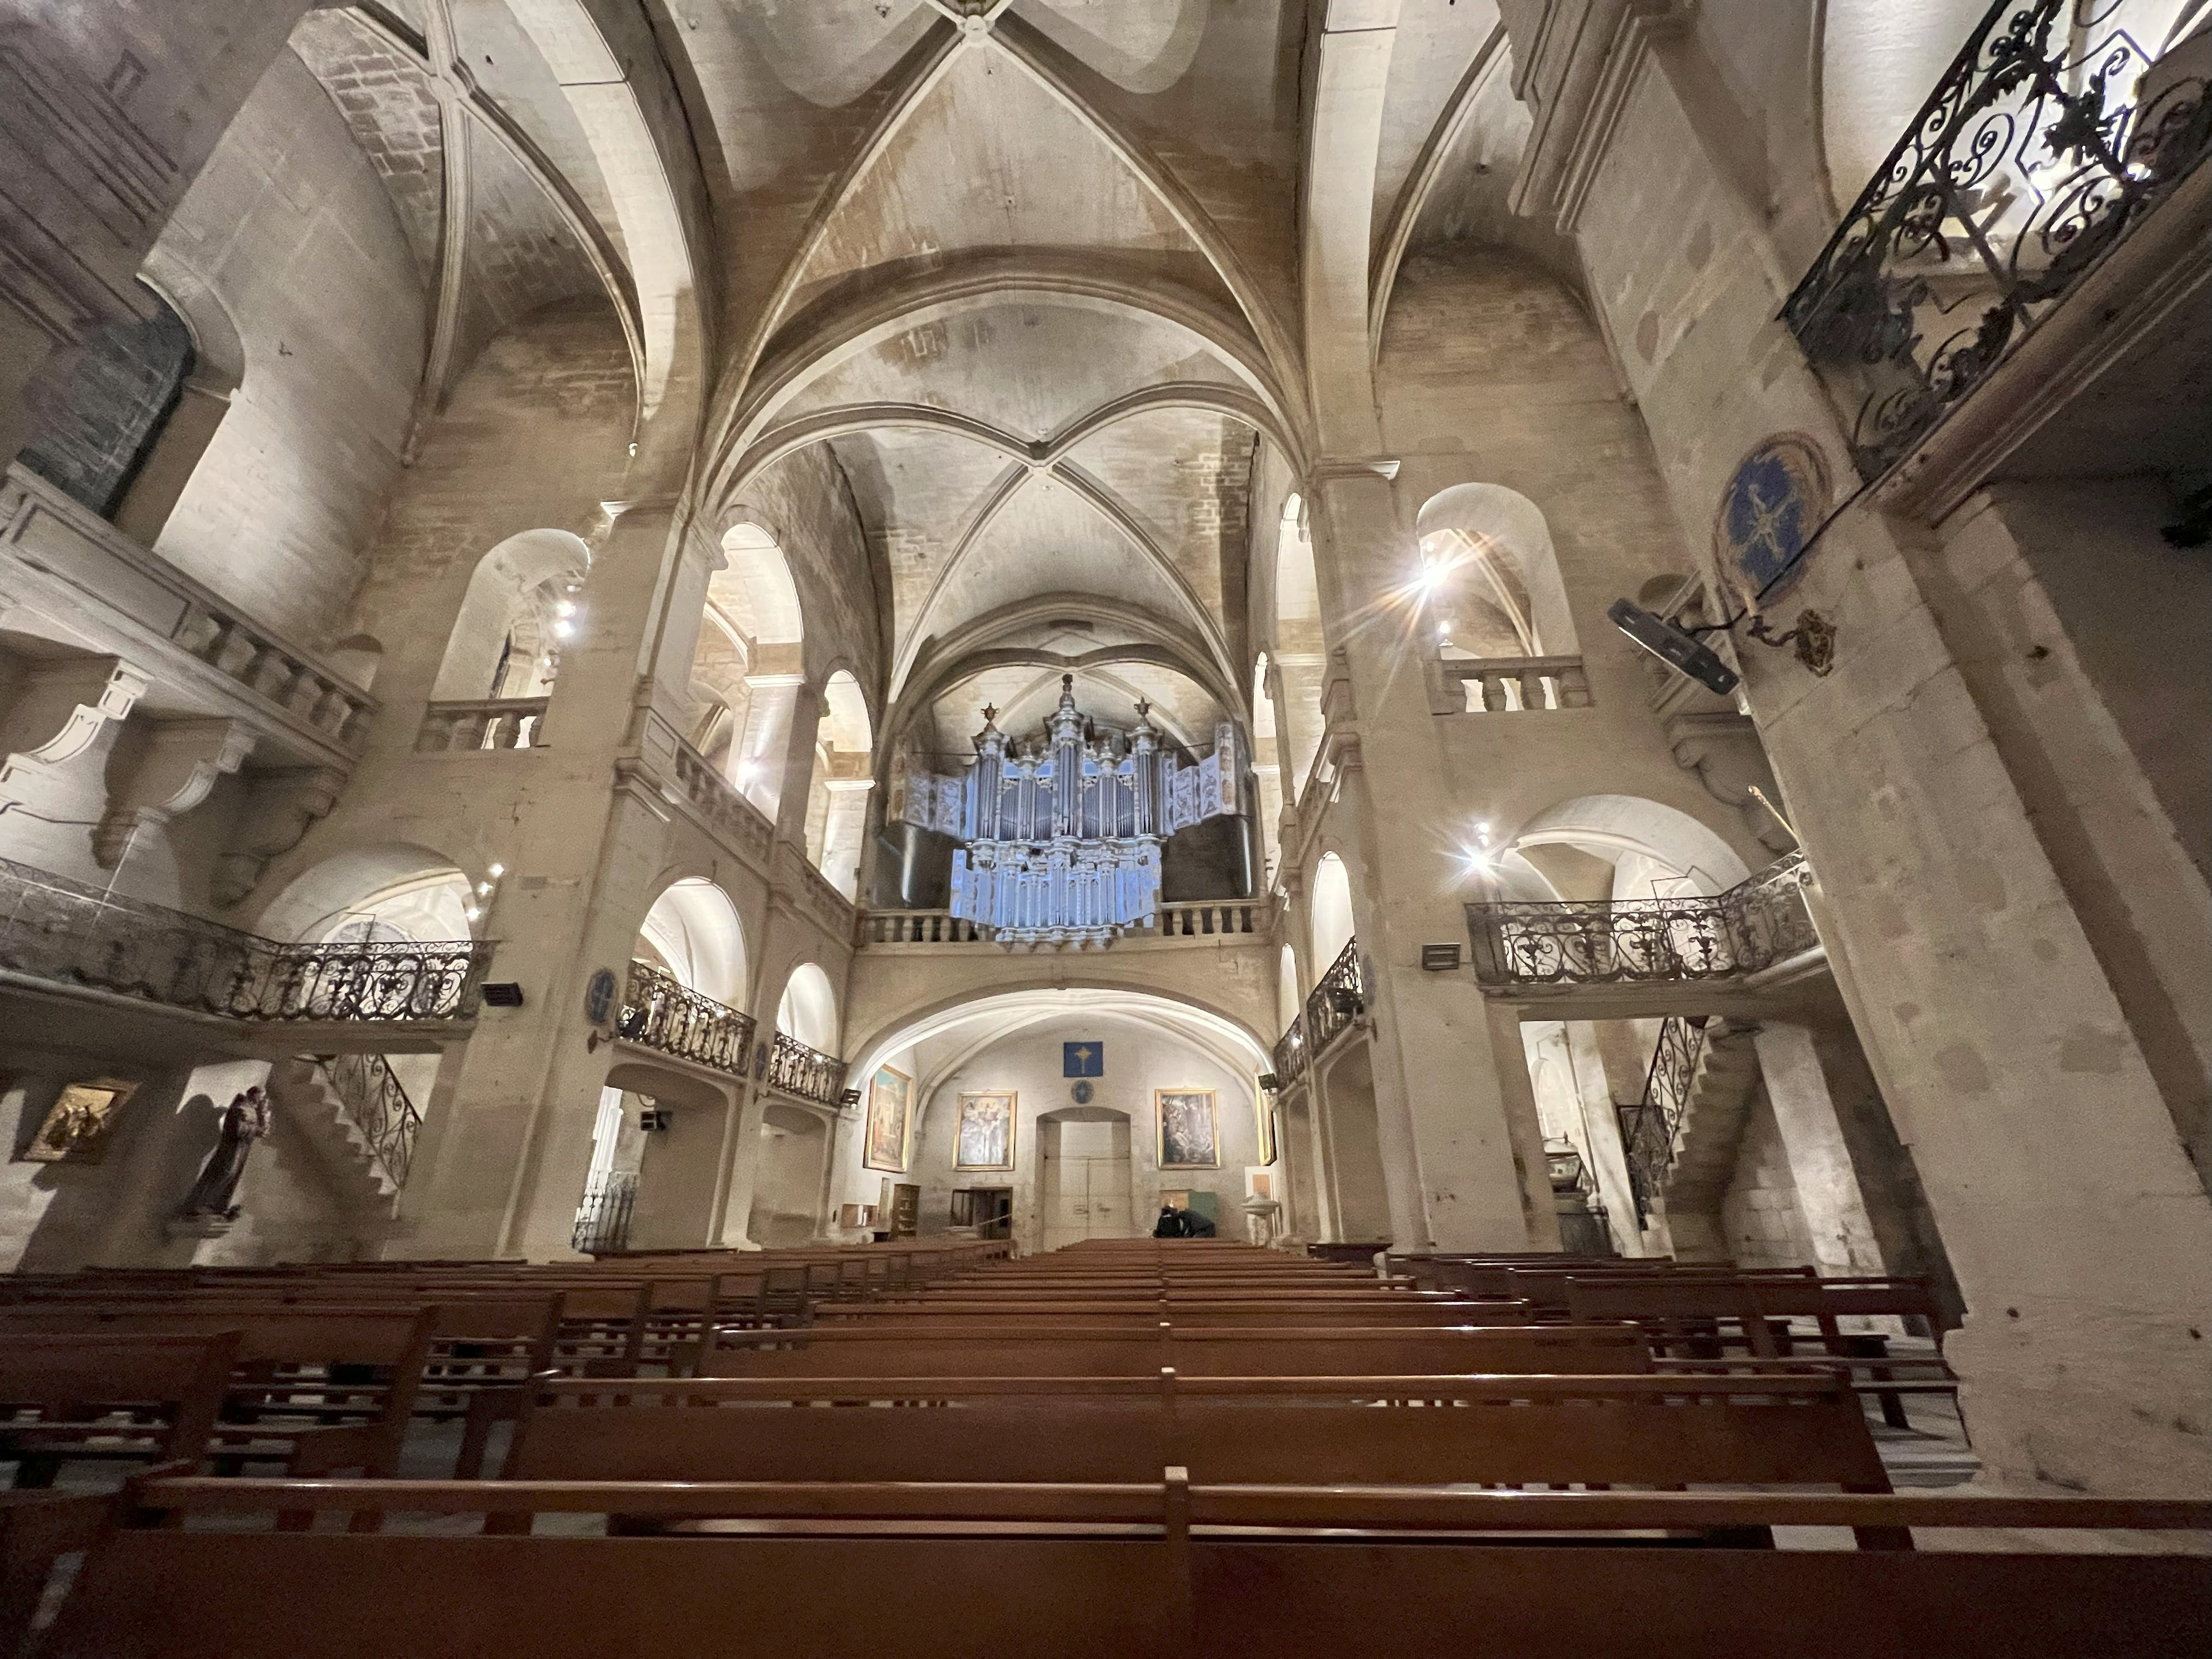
(1828, 1193)
(758, 752)
(1459, 1163)
(796, 767)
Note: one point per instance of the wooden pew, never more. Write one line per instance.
(1692, 1319)
(1554, 1430)
(1156, 1570)
(315, 1389)
(1315, 1312)
(1076, 1349)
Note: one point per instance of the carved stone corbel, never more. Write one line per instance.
(161, 769)
(54, 711)
(280, 808)
(1724, 751)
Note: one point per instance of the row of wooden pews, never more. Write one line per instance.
(1134, 1447)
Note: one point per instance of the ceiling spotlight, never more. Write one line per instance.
(497, 871)
(1677, 647)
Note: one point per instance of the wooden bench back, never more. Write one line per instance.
(1074, 1349)
(1637, 1430)
(170, 1385)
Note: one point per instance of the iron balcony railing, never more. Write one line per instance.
(1754, 925)
(809, 1073)
(602, 1224)
(659, 1011)
(2043, 143)
(376, 1104)
(1649, 1125)
(1339, 998)
(55, 929)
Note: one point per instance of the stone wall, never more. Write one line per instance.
(290, 230)
(1760, 1220)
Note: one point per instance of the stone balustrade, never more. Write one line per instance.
(1199, 919)
(727, 813)
(1500, 685)
(488, 723)
(102, 589)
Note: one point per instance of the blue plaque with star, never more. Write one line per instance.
(1083, 1059)
(1770, 509)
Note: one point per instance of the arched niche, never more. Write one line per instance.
(1287, 999)
(1300, 655)
(1331, 908)
(523, 601)
(693, 932)
(391, 892)
(837, 794)
(1492, 577)
(1623, 846)
(808, 1011)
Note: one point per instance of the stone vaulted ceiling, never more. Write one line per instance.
(1025, 268)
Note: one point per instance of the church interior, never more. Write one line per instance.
(1332, 784)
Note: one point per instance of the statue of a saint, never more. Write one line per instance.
(244, 1120)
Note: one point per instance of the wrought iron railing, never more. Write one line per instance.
(659, 1011)
(376, 1104)
(603, 1219)
(1754, 925)
(53, 928)
(1648, 1127)
(1338, 1000)
(2041, 145)
(809, 1073)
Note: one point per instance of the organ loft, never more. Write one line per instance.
(1588, 619)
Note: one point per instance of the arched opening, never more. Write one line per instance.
(1288, 999)
(1301, 657)
(746, 669)
(392, 896)
(1331, 906)
(794, 1154)
(1490, 578)
(837, 796)
(808, 1011)
(692, 934)
(523, 603)
(1267, 770)
(1355, 1158)
(1620, 847)
(989, 1079)
(98, 407)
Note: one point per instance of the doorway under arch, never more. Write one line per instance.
(794, 1160)
(808, 1011)
(1331, 912)
(1085, 1187)
(1356, 1180)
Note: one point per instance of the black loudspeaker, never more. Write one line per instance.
(1672, 645)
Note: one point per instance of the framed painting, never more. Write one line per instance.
(77, 1127)
(984, 1137)
(890, 1118)
(1188, 1138)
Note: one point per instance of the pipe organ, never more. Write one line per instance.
(1060, 843)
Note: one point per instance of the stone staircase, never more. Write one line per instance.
(1708, 1135)
(307, 1102)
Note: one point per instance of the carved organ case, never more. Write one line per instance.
(1060, 843)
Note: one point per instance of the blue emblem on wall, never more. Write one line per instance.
(599, 997)
(1773, 507)
(1083, 1059)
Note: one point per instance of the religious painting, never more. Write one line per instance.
(1187, 1139)
(891, 1113)
(984, 1136)
(79, 1124)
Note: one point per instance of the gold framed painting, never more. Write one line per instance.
(890, 1120)
(1188, 1134)
(984, 1138)
(78, 1125)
